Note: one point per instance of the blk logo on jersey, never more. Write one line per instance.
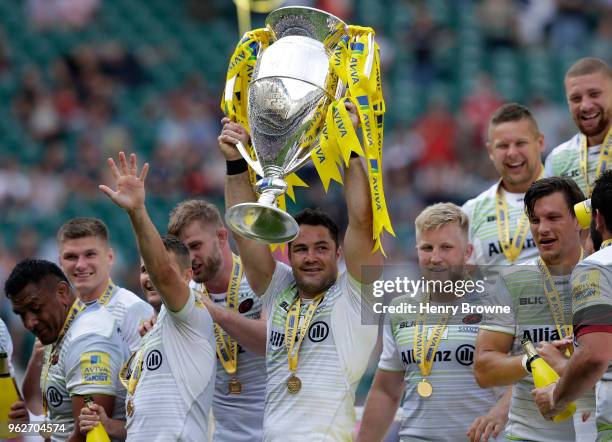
(54, 398)
(154, 360)
(318, 331)
(532, 300)
(465, 354)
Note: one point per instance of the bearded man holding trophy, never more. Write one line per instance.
(311, 80)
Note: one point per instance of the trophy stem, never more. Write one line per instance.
(263, 221)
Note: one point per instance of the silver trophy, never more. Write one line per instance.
(291, 84)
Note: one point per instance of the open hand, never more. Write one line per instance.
(487, 426)
(130, 193)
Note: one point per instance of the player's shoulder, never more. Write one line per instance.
(601, 258)
(128, 298)
(94, 321)
(569, 146)
(470, 207)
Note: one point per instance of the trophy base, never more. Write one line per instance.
(262, 223)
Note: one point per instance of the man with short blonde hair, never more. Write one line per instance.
(439, 215)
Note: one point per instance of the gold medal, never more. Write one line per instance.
(130, 408)
(424, 388)
(294, 384)
(235, 386)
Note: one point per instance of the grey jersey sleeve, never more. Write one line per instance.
(499, 295)
(389, 358)
(92, 365)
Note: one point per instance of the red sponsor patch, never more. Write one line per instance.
(474, 318)
(245, 305)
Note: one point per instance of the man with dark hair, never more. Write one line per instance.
(84, 349)
(591, 284)
(179, 255)
(539, 297)
(240, 386)
(588, 90)
(170, 379)
(499, 228)
(311, 379)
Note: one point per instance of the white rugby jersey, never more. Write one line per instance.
(239, 417)
(90, 358)
(522, 288)
(174, 393)
(483, 233)
(6, 345)
(129, 311)
(591, 286)
(457, 399)
(332, 359)
(564, 160)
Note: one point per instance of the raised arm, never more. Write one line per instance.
(258, 262)
(358, 240)
(130, 196)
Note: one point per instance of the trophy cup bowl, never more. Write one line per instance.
(291, 83)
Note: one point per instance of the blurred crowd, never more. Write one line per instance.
(68, 108)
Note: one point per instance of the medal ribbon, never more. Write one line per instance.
(110, 290)
(511, 250)
(425, 349)
(76, 309)
(604, 158)
(605, 244)
(227, 347)
(291, 328)
(554, 300)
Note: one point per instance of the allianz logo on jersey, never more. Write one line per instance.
(495, 248)
(541, 334)
(464, 355)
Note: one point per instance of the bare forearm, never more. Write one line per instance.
(581, 374)
(250, 333)
(357, 195)
(156, 260)
(378, 415)
(256, 256)
(115, 428)
(32, 393)
(494, 369)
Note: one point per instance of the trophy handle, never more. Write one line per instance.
(255, 165)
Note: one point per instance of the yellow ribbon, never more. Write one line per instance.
(227, 347)
(425, 349)
(604, 158)
(75, 310)
(110, 290)
(292, 326)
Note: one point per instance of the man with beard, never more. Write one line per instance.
(539, 297)
(311, 378)
(427, 357)
(218, 274)
(591, 285)
(588, 89)
(499, 228)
